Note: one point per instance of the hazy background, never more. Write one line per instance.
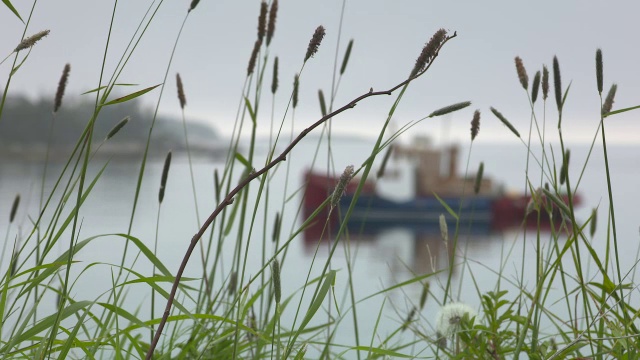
(477, 65)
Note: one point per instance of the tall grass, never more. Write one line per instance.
(236, 306)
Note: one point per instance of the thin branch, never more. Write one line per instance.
(228, 200)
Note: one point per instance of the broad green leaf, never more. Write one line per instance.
(131, 96)
(13, 10)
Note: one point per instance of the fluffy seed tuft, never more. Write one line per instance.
(314, 43)
(599, 70)
(273, 14)
(429, 51)
(449, 319)
(31, 40)
(608, 101)
(522, 73)
(62, 85)
(475, 125)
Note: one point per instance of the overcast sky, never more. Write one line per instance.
(478, 65)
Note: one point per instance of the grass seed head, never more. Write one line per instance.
(449, 109)
(14, 208)
(323, 105)
(505, 121)
(565, 167)
(314, 43)
(608, 101)
(275, 272)
(599, 70)
(535, 87)
(557, 82)
(28, 42)
(478, 182)
(594, 222)
(409, 318)
(62, 85)
(181, 97)
(262, 20)
(254, 56)
(276, 228)
(444, 230)
(296, 85)
(429, 51)
(274, 80)
(347, 54)
(117, 128)
(423, 295)
(165, 174)
(193, 5)
(475, 125)
(522, 73)
(545, 82)
(346, 176)
(233, 283)
(271, 27)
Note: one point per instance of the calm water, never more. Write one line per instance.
(381, 260)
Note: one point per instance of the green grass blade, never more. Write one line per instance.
(131, 96)
(8, 4)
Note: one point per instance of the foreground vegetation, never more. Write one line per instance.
(231, 311)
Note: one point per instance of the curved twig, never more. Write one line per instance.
(228, 200)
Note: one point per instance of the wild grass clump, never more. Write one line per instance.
(229, 290)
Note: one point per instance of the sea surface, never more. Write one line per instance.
(379, 261)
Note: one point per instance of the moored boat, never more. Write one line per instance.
(491, 208)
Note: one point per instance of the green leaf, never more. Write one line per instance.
(449, 210)
(15, 69)
(621, 110)
(251, 112)
(104, 87)
(131, 96)
(13, 10)
(243, 160)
